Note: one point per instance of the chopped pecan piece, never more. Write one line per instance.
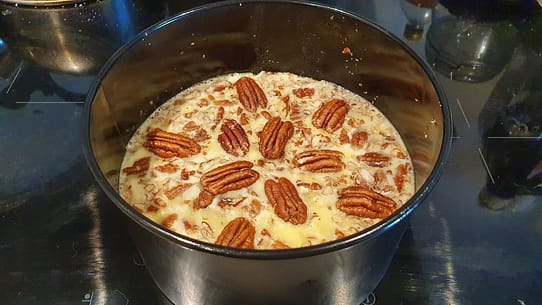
(285, 200)
(296, 113)
(139, 167)
(201, 135)
(374, 159)
(224, 103)
(167, 144)
(359, 139)
(219, 116)
(364, 202)
(253, 208)
(400, 176)
(224, 202)
(177, 190)
(330, 116)
(185, 174)
(204, 200)
(238, 233)
(221, 87)
(233, 138)
(169, 220)
(312, 186)
(274, 136)
(277, 244)
(266, 115)
(339, 234)
(156, 205)
(250, 94)
(243, 119)
(303, 92)
(229, 177)
(343, 137)
(320, 160)
(167, 168)
(190, 126)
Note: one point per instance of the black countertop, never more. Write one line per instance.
(476, 240)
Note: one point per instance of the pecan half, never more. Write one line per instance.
(229, 177)
(330, 116)
(204, 200)
(167, 144)
(285, 200)
(274, 136)
(320, 160)
(250, 94)
(140, 166)
(364, 202)
(233, 138)
(374, 159)
(238, 233)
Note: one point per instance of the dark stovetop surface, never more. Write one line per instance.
(476, 240)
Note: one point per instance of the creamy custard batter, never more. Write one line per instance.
(164, 188)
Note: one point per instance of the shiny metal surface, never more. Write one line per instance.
(43, 2)
(204, 43)
(53, 37)
(63, 242)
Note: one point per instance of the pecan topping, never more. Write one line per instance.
(400, 176)
(185, 174)
(229, 177)
(364, 202)
(312, 186)
(204, 200)
(156, 205)
(243, 119)
(233, 138)
(139, 167)
(274, 136)
(319, 160)
(277, 244)
(343, 137)
(253, 208)
(167, 168)
(359, 139)
(175, 191)
(169, 220)
(238, 233)
(190, 126)
(374, 159)
(167, 145)
(303, 92)
(286, 201)
(330, 116)
(250, 94)
(224, 202)
(201, 135)
(266, 115)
